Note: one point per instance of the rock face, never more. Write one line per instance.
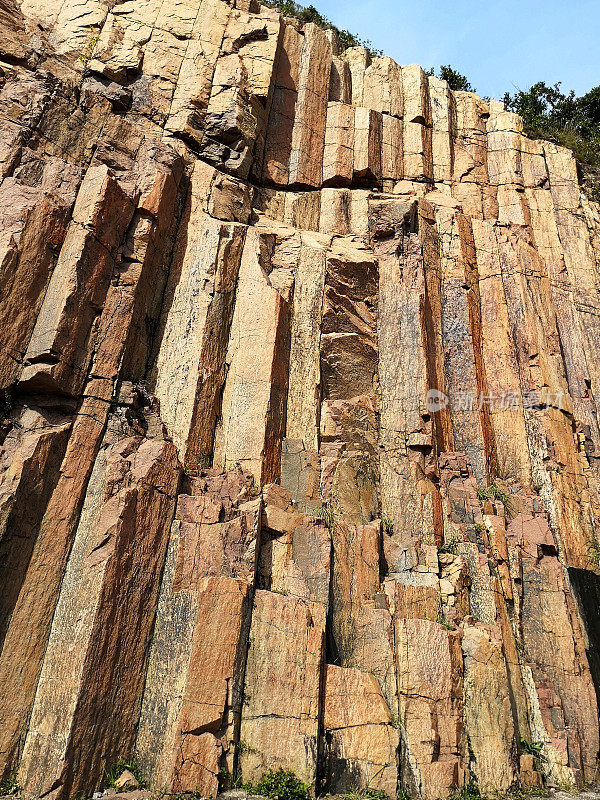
(300, 447)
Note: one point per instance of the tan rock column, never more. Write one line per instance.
(556, 673)
(31, 616)
(470, 176)
(368, 131)
(362, 743)
(581, 266)
(190, 713)
(443, 121)
(454, 256)
(408, 495)
(382, 87)
(338, 156)
(488, 713)
(308, 134)
(255, 393)
(30, 458)
(499, 360)
(284, 674)
(358, 60)
(34, 226)
(236, 114)
(191, 359)
(278, 136)
(61, 344)
(542, 377)
(418, 163)
(429, 666)
(348, 382)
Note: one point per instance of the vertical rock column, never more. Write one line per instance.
(34, 227)
(300, 470)
(102, 334)
(254, 400)
(190, 369)
(30, 458)
(190, 715)
(406, 435)
(452, 252)
(283, 687)
(348, 428)
(87, 699)
(361, 741)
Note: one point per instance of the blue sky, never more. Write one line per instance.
(497, 45)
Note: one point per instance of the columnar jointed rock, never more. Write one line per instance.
(300, 447)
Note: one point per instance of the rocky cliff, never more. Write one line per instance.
(300, 455)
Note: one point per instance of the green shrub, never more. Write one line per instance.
(534, 749)
(365, 794)
(450, 546)
(327, 513)
(119, 767)
(310, 14)
(374, 794)
(570, 121)
(468, 792)
(456, 81)
(280, 784)
(10, 784)
(493, 492)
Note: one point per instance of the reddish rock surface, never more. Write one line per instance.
(299, 436)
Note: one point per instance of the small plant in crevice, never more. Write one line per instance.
(441, 620)
(403, 794)
(89, 46)
(10, 784)
(119, 767)
(280, 784)
(228, 781)
(567, 787)
(479, 528)
(243, 747)
(365, 794)
(523, 792)
(519, 646)
(395, 721)
(593, 549)
(194, 465)
(493, 492)
(469, 791)
(387, 525)
(374, 794)
(534, 749)
(449, 546)
(326, 512)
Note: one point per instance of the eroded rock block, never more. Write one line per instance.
(360, 739)
(280, 717)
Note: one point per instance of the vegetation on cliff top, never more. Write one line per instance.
(570, 121)
(548, 113)
(310, 14)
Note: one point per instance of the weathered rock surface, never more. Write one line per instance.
(299, 438)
